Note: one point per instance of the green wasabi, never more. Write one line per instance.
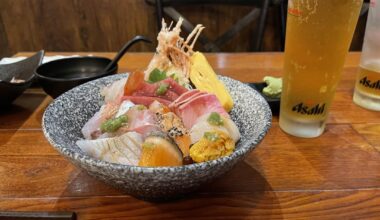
(274, 87)
(113, 124)
(156, 75)
(162, 88)
(215, 119)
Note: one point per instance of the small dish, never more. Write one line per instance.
(21, 70)
(59, 76)
(274, 103)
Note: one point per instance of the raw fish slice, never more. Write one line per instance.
(142, 121)
(183, 97)
(150, 89)
(114, 92)
(169, 95)
(175, 87)
(145, 100)
(187, 99)
(173, 126)
(110, 110)
(145, 130)
(125, 149)
(124, 107)
(106, 112)
(202, 126)
(156, 106)
(93, 124)
(138, 87)
(199, 128)
(198, 106)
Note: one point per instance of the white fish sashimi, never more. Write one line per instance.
(93, 124)
(198, 130)
(107, 111)
(125, 149)
(124, 107)
(202, 126)
(114, 92)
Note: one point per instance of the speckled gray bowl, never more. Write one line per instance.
(65, 116)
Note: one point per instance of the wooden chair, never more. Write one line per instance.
(259, 12)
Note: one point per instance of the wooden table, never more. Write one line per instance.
(335, 175)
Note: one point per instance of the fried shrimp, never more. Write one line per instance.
(173, 52)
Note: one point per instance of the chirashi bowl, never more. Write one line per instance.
(66, 115)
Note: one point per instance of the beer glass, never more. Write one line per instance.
(367, 88)
(318, 36)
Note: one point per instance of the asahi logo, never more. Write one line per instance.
(367, 83)
(306, 110)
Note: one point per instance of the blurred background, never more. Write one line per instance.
(105, 25)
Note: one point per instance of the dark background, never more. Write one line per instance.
(105, 25)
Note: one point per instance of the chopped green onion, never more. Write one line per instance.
(215, 119)
(162, 88)
(156, 75)
(211, 136)
(175, 77)
(113, 124)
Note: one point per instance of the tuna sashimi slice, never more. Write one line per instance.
(145, 100)
(198, 106)
(137, 86)
(169, 95)
(149, 89)
(175, 87)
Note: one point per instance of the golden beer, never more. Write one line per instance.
(367, 88)
(318, 36)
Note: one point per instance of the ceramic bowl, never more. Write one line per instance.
(274, 103)
(24, 70)
(65, 116)
(59, 76)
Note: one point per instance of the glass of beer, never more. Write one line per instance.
(367, 88)
(318, 36)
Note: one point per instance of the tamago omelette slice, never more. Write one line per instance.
(204, 78)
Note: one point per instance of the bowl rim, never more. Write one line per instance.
(68, 59)
(246, 147)
(39, 54)
(30, 80)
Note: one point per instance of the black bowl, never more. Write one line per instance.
(274, 103)
(24, 70)
(59, 76)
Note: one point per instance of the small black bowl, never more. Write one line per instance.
(274, 103)
(59, 76)
(23, 70)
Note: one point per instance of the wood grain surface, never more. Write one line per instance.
(333, 176)
(105, 25)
